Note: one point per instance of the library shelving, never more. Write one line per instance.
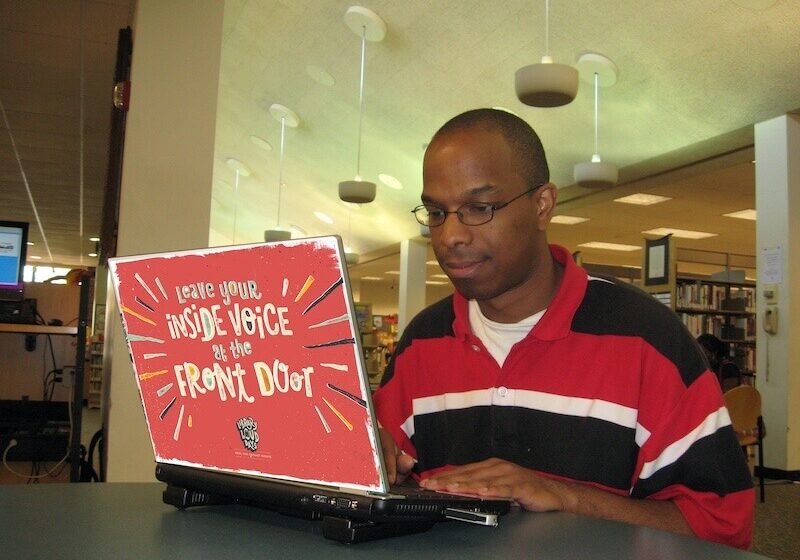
(717, 304)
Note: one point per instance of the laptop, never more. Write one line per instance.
(250, 370)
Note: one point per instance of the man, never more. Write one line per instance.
(534, 381)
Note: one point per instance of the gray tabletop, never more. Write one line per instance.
(67, 521)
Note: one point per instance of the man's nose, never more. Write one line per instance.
(452, 232)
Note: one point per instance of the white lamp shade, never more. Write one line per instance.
(359, 192)
(546, 84)
(595, 174)
(277, 235)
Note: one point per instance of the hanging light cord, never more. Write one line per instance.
(235, 203)
(25, 180)
(81, 134)
(547, 28)
(361, 101)
(280, 167)
(596, 113)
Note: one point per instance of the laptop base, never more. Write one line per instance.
(340, 529)
(183, 498)
(351, 531)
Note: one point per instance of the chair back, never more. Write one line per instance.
(744, 407)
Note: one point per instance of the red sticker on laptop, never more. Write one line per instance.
(246, 360)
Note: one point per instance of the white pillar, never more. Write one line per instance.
(165, 201)
(777, 148)
(413, 254)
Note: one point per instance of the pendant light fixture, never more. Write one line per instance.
(240, 170)
(601, 71)
(370, 27)
(546, 84)
(286, 117)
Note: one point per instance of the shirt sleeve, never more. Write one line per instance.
(689, 454)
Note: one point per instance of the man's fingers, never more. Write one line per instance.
(405, 464)
(389, 455)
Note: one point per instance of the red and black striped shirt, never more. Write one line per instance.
(608, 388)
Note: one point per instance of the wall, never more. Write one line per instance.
(166, 180)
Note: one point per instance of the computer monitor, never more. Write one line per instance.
(13, 246)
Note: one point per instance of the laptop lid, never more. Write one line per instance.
(248, 360)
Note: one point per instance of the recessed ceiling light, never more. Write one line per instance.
(36, 257)
(642, 199)
(389, 181)
(680, 233)
(320, 75)
(434, 262)
(261, 143)
(92, 254)
(609, 246)
(392, 272)
(94, 239)
(435, 283)
(371, 278)
(30, 243)
(568, 220)
(748, 214)
(237, 165)
(322, 217)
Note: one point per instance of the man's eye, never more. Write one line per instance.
(479, 209)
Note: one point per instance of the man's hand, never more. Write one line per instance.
(398, 463)
(499, 478)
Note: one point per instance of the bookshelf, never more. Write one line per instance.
(724, 309)
(721, 307)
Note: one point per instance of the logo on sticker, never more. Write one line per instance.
(248, 431)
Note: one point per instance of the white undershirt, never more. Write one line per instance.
(498, 338)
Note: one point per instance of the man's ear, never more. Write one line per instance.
(546, 204)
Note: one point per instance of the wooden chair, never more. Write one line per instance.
(744, 407)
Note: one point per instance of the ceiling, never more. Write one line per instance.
(694, 77)
(57, 65)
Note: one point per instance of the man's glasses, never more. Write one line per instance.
(469, 214)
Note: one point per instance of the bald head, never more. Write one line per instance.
(525, 144)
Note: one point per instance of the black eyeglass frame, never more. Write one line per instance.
(458, 211)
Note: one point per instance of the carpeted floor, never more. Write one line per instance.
(777, 525)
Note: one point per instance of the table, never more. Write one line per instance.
(129, 520)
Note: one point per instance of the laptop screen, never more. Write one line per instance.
(247, 360)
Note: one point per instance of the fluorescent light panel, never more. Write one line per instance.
(371, 278)
(642, 199)
(568, 220)
(749, 214)
(609, 246)
(680, 233)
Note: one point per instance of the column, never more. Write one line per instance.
(166, 180)
(777, 148)
(413, 254)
